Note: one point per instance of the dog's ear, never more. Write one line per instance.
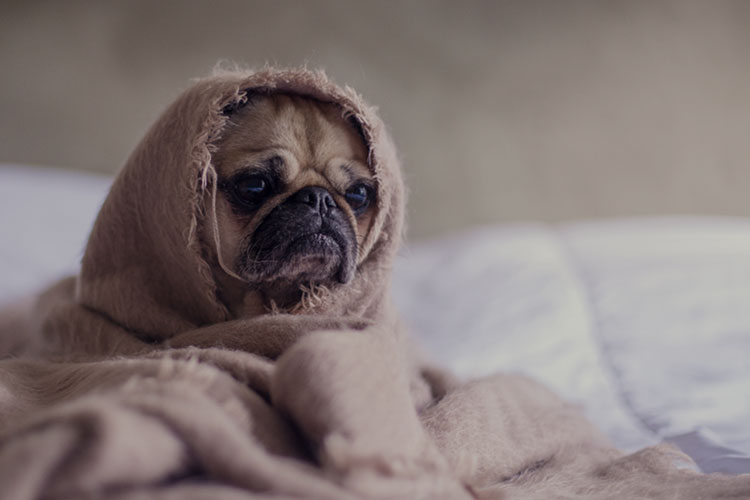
(357, 126)
(245, 99)
(234, 106)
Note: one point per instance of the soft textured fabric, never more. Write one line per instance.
(518, 295)
(132, 380)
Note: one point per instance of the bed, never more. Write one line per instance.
(644, 323)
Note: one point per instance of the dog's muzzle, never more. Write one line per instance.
(307, 238)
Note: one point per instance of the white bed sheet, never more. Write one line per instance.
(644, 323)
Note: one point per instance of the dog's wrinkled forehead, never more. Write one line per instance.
(303, 140)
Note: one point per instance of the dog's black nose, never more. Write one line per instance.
(317, 197)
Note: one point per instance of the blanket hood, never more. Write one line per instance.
(144, 266)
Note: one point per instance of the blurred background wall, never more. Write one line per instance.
(503, 110)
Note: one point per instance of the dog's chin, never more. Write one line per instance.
(306, 263)
(310, 259)
(315, 258)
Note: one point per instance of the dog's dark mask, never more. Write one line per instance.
(305, 239)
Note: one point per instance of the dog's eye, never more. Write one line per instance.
(251, 186)
(251, 189)
(358, 196)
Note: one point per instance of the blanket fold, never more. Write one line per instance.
(134, 380)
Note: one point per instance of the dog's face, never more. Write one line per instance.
(296, 196)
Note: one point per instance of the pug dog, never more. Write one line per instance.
(295, 200)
